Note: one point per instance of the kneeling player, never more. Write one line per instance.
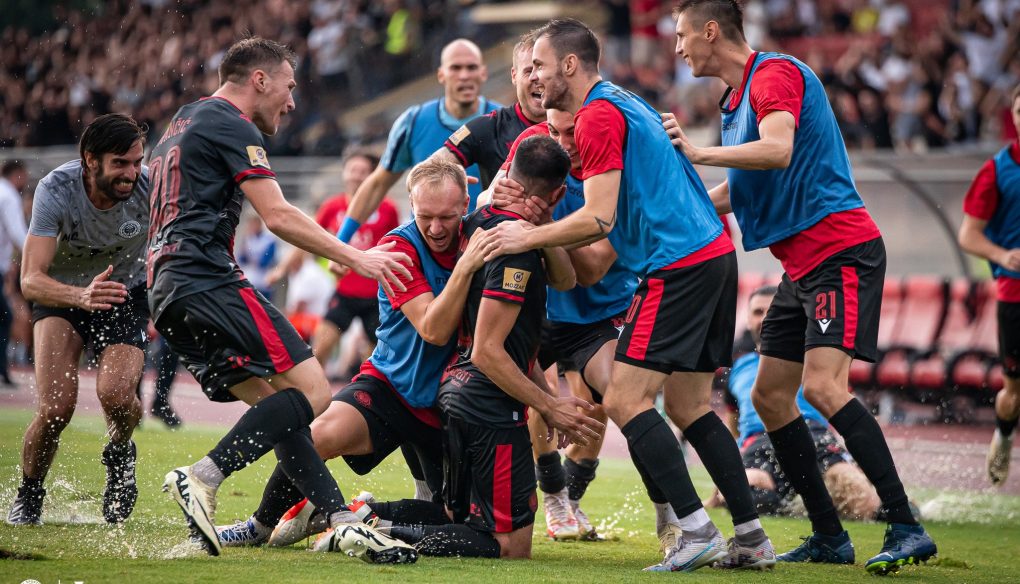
(390, 403)
(579, 337)
(490, 480)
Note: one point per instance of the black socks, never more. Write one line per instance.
(580, 474)
(795, 452)
(718, 452)
(660, 462)
(411, 512)
(308, 472)
(866, 443)
(279, 495)
(450, 540)
(549, 469)
(260, 428)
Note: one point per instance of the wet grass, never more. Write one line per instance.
(75, 545)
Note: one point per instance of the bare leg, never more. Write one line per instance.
(57, 350)
(120, 369)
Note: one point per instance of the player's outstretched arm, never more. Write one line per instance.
(973, 240)
(591, 222)
(772, 151)
(37, 285)
(436, 318)
(291, 225)
(495, 320)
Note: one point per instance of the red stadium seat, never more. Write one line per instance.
(916, 329)
(862, 373)
(972, 367)
(959, 331)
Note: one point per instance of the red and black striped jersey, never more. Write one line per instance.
(196, 171)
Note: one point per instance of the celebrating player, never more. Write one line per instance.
(790, 186)
(235, 343)
(579, 336)
(490, 479)
(991, 230)
(679, 328)
(486, 140)
(391, 402)
(84, 273)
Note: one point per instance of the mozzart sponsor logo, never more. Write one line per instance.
(31, 581)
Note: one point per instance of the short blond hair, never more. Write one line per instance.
(434, 171)
(525, 43)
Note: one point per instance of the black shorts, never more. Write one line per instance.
(124, 324)
(343, 309)
(392, 424)
(837, 304)
(571, 346)
(759, 454)
(490, 475)
(1009, 338)
(683, 319)
(228, 335)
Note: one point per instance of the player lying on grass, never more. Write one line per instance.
(853, 495)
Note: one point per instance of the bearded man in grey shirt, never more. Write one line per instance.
(84, 272)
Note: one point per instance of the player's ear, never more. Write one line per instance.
(259, 80)
(485, 73)
(441, 76)
(91, 160)
(570, 64)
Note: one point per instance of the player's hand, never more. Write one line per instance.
(1010, 260)
(506, 192)
(508, 238)
(473, 257)
(383, 266)
(578, 427)
(339, 270)
(101, 293)
(678, 138)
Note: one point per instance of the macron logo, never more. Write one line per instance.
(823, 323)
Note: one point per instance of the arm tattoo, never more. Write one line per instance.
(606, 226)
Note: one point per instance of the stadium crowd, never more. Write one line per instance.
(150, 57)
(901, 74)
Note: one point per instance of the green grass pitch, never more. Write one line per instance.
(75, 546)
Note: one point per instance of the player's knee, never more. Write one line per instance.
(55, 418)
(515, 545)
(770, 401)
(825, 394)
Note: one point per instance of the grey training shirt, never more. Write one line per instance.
(89, 239)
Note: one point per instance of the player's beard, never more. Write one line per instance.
(555, 93)
(105, 185)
